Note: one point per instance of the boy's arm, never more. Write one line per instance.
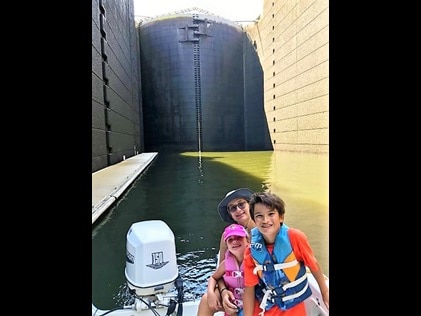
(248, 301)
(250, 280)
(324, 289)
(304, 252)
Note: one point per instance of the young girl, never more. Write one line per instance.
(231, 268)
(276, 263)
(233, 209)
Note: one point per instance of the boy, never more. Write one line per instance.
(276, 263)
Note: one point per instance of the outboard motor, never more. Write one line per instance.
(151, 262)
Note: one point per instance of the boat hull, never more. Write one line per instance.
(314, 306)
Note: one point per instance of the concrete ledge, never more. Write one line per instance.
(110, 183)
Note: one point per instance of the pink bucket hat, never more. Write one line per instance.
(234, 230)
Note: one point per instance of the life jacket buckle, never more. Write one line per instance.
(238, 303)
(238, 291)
(269, 267)
(237, 274)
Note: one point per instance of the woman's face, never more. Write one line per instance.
(239, 210)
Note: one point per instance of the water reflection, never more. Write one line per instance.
(184, 189)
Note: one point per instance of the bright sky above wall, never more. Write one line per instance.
(234, 10)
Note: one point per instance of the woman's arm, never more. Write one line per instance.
(222, 249)
(213, 295)
(219, 272)
(228, 298)
(218, 277)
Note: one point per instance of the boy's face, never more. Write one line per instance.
(268, 221)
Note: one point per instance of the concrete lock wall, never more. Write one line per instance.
(194, 85)
(192, 78)
(117, 131)
(292, 41)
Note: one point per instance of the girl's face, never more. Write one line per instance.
(268, 221)
(236, 244)
(239, 210)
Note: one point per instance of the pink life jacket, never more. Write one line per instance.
(234, 278)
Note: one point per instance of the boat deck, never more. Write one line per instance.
(110, 183)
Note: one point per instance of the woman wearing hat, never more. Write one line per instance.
(233, 209)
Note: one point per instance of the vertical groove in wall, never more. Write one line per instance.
(197, 89)
(197, 92)
(102, 20)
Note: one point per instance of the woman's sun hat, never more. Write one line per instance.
(234, 194)
(234, 230)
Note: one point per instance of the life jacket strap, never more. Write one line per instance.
(273, 294)
(234, 274)
(271, 267)
(295, 282)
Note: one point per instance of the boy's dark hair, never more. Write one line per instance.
(271, 200)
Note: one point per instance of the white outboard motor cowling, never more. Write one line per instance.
(151, 262)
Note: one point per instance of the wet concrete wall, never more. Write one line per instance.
(116, 91)
(202, 85)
